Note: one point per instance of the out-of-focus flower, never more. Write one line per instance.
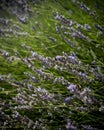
(72, 88)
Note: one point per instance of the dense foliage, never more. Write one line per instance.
(52, 64)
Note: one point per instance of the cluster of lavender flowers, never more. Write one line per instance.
(71, 28)
(31, 97)
(56, 88)
(83, 6)
(10, 29)
(16, 119)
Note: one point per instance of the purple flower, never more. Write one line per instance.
(72, 59)
(72, 88)
(67, 99)
(58, 57)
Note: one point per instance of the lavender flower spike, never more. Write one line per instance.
(72, 88)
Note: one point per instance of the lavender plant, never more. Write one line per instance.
(51, 74)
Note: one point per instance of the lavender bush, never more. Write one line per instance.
(52, 66)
